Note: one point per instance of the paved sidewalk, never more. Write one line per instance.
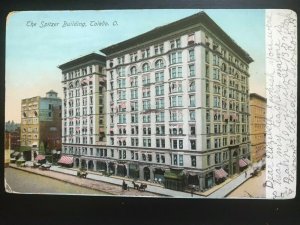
(232, 185)
(110, 189)
(116, 181)
(112, 184)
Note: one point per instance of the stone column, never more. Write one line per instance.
(141, 172)
(94, 162)
(79, 166)
(116, 167)
(127, 170)
(107, 167)
(151, 173)
(201, 182)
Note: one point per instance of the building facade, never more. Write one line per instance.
(257, 127)
(40, 125)
(7, 144)
(177, 100)
(83, 118)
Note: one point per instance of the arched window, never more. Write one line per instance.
(77, 83)
(159, 64)
(146, 67)
(133, 70)
(70, 85)
(124, 143)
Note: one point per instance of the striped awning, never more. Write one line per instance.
(242, 163)
(66, 160)
(247, 161)
(220, 173)
(39, 157)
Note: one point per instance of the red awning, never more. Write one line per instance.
(242, 163)
(66, 160)
(247, 161)
(220, 173)
(39, 157)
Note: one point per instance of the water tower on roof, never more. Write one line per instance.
(51, 94)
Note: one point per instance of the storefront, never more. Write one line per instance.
(220, 175)
(91, 165)
(193, 179)
(146, 171)
(101, 166)
(159, 175)
(121, 170)
(66, 161)
(209, 180)
(174, 179)
(134, 171)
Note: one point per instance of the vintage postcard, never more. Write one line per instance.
(188, 104)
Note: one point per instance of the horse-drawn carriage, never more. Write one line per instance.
(141, 187)
(82, 173)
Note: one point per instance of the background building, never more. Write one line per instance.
(177, 99)
(83, 119)
(7, 144)
(11, 126)
(257, 127)
(40, 125)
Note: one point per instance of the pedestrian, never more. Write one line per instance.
(123, 185)
(245, 173)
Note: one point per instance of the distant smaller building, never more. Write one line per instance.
(15, 139)
(257, 126)
(7, 149)
(40, 125)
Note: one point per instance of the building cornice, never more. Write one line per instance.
(82, 60)
(200, 18)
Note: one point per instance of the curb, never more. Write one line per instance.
(55, 178)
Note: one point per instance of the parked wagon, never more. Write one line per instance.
(82, 173)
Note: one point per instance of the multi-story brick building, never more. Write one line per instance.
(177, 100)
(40, 123)
(257, 127)
(83, 118)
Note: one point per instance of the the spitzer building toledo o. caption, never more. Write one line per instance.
(175, 101)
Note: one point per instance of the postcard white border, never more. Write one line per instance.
(281, 93)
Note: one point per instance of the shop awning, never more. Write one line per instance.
(15, 154)
(247, 161)
(242, 163)
(39, 157)
(220, 173)
(66, 160)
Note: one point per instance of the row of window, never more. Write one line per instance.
(156, 50)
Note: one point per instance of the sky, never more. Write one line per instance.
(33, 50)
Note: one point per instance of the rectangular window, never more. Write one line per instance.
(193, 161)
(192, 70)
(174, 144)
(180, 160)
(180, 144)
(159, 76)
(193, 144)
(192, 54)
(192, 101)
(192, 115)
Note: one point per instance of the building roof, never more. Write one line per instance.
(51, 91)
(255, 95)
(82, 59)
(198, 18)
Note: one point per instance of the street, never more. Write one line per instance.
(252, 188)
(24, 182)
